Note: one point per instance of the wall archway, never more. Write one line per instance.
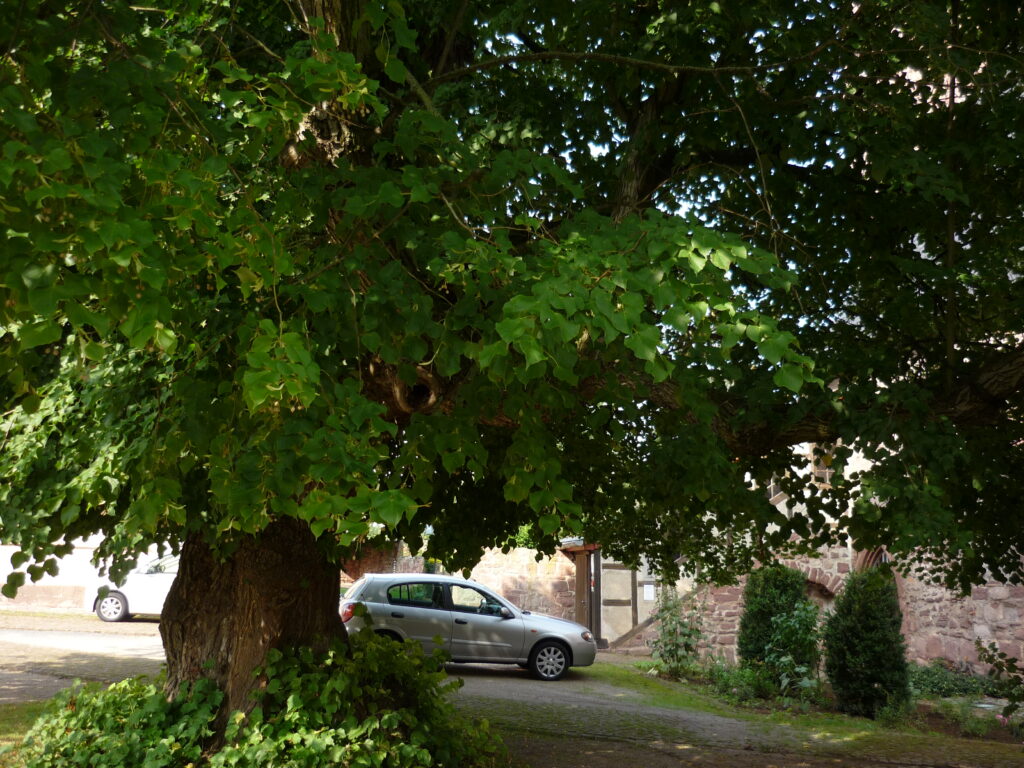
(822, 585)
(869, 558)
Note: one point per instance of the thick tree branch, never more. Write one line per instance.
(984, 398)
(623, 61)
(979, 400)
(449, 41)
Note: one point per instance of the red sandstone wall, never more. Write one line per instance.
(721, 619)
(547, 586)
(937, 624)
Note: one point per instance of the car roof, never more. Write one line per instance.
(430, 576)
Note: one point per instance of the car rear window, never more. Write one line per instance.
(418, 594)
(353, 589)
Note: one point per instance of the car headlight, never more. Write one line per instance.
(587, 636)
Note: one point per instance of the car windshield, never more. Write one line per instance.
(472, 600)
(163, 565)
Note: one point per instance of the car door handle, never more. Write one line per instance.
(461, 621)
(397, 615)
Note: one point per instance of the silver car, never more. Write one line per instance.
(468, 621)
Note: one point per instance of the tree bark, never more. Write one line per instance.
(223, 615)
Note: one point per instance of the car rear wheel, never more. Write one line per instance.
(112, 607)
(549, 660)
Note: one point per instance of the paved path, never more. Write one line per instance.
(37, 660)
(131, 646)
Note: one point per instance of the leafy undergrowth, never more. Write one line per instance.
(15, 720)
(372, 704)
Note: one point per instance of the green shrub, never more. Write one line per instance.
(381, 704)
(939, 681)
(742, 683)
(865, 654)
(770, 592)
(679, 633)
(792, 652)
(901, 715)
(375, 703)
(966, 718)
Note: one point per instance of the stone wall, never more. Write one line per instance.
(71, 590)
(937, 624)
(545, 586)
(721, 608)
(59, 598)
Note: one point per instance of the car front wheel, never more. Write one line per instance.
(549, 660)
(112, 607)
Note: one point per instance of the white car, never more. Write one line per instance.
(143, 592)
(468, 621)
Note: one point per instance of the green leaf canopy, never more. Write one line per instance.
(580, 266)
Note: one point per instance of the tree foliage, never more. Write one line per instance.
(579, 266)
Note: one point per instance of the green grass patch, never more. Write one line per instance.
(811, 728)
(15, 720)
(819, 727)
(811, 732)
(41, 614)
(655, 691)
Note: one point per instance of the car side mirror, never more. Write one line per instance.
(505, 613)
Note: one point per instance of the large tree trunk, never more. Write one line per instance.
(223, 615)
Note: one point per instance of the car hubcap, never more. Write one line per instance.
(110, 607)
(550, 662)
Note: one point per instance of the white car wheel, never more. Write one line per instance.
(549, 660)
(112, 607)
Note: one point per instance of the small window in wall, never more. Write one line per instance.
(417, 594)
(776, 495)
(869, 559)
(821, 465)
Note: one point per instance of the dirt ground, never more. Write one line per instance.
(578, 722)
(567, 752)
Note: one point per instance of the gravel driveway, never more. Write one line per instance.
(578, 722)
